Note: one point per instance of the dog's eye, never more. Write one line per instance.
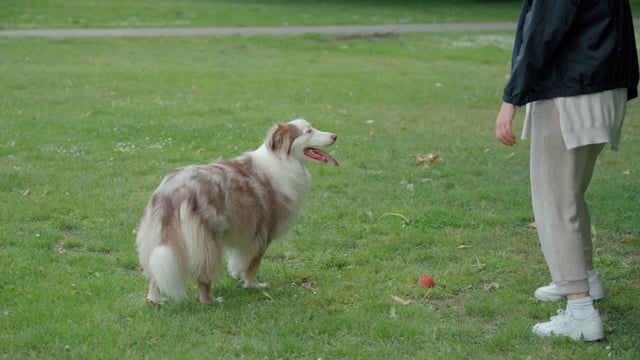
(309, 131)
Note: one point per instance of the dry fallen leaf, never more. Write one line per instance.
(402, 301)
(491, 287)
(430, 159)
(60, 249)
(309, 285)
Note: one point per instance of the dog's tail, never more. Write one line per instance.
(166, 269)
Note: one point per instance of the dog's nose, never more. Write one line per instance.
(334, 137)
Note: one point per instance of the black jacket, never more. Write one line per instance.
(572, 47)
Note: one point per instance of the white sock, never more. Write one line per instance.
(581, 308)
(592, 274)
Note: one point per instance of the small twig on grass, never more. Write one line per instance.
(269, 296)
(479, 265)
(405, 220)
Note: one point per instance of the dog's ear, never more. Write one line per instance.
(280, 138)
(276, 138)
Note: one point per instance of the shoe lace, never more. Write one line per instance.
(561, 315)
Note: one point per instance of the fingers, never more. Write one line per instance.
(506, 137)
(504, 132)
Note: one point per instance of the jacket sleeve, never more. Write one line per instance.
(541, 29)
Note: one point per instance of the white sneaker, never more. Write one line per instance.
(564, 324)
(551, 293)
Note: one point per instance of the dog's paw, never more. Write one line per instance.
(154, 301)
(208, 299)
(255, 285)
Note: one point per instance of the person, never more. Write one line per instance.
(574, 67)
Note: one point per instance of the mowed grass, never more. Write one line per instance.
(64, 14)
(88, 128)
(153, 13)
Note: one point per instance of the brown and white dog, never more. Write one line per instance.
(240, 205)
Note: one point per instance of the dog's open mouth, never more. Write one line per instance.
(320, 156)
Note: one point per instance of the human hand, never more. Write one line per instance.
(504, 133)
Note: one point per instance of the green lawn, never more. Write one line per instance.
(42, 14)
(196, 13)
(88, 128)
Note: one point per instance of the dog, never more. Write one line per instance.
(236, 207)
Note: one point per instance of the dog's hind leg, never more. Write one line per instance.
(205, 281)
(154, 296)
(205, 296)
(208, 270)
(251, 274)
(204, 289)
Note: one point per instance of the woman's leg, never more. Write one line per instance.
(559, 180)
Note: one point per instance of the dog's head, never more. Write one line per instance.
(297, 139)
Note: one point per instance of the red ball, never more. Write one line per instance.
(426, 281)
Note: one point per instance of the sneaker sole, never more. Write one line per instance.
(594, 336)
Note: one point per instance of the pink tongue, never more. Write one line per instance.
(320, 156)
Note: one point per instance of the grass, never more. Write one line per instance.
(43, 14)
(148, 13)
(88, 127)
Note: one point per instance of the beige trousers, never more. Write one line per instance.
(559, 180)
